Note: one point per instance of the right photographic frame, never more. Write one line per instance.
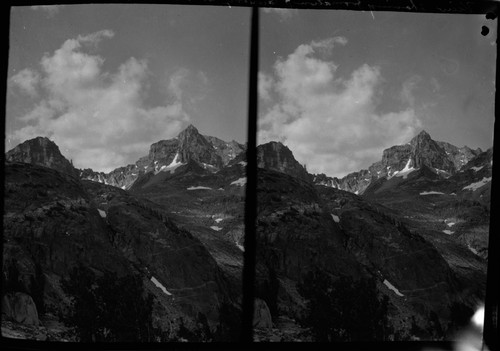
(374, 175)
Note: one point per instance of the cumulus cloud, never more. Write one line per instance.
(284, 14)
(330, 122)
(98, 118)
(26, 80)
(187, 85)
(328, 44)
(265, 85)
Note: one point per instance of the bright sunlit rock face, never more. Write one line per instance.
(478, 318)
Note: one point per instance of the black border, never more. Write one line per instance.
(488, 7)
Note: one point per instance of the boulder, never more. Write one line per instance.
(21, 308)
(261, 315)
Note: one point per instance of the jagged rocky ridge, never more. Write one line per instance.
(208, 152)
(442, 158)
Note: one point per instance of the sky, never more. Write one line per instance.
(338, 87)
(104, 82)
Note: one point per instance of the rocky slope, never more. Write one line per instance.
(454, 209)
(403, 244)
(208, 204)
(301, 228)
(54, 222)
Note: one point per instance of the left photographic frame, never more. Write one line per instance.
(125, 173)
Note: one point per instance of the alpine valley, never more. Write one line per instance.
(412, 229)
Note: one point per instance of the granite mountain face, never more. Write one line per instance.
(418, 229)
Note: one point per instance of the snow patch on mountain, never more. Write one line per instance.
(173, 165)
(431, 193)
(241, 247)
(216, 228)
(160, 285)
(474, 251)
(240, 182)
(449, 232)
(199, 188)
(102, 213)
(477, 185)
(392, 287)
(336, 219)
(476, 169)
(405, 171)
(209, 166)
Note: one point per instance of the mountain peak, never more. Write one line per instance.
(423, 135)
(42, 141)
(189, 133)
(41, 151)
(276, 156)
(189, 130)
(37, 142)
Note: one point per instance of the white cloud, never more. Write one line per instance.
(27, 80)
(51, 10)
(98, 118)
(329, 122)
(284, 14)
(265, 85)
(408, 88)
(96, 37)
(187, 85)
(329, 43)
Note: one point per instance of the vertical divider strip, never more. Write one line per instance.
(490, 330)
(251, 187)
